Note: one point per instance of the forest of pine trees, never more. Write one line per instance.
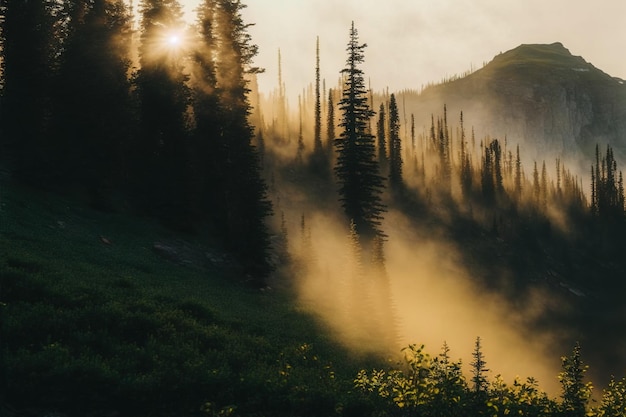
(131, 121)
(537, 213)
(97, 101)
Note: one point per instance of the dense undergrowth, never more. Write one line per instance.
(93, 321)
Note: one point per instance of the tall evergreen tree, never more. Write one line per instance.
(466, 164)
(544, 186)
(607, 197)
(496, 150)
(3, 11)
(597, 177)
(479, 383)
(381, 137)
(244, 204)
(594, 196)
(30, 52)
(441, 143)
(319, 160)
(487, 174)
(300, 147)
(445, 154)
(518, 174)
(357, 169)
(317, 139)
(207, 178)
(536, 184)
(330, 123)
(159, 156)
(558, 176)
(620, 194)
(492, 181)
(412, 135)
(395, 145)
(92, 117)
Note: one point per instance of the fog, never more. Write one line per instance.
(430, 290)
(411, 44)
(438, 299)
(434, 298)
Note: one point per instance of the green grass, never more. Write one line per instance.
(89, 327)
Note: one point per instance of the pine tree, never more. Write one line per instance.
(317, 139)
(598, 180)
(244, 203)
(446, 150)
(226, 168)
(544, 186)
(487, 175)
(607, 188)
(518, 174)
(381, 133)
(479, 380)
(491, 178)
(496, 150)
(594, 194)
(30, 52)
(92, 116)
(395, 145)
(536, 185)
(282, 115)
(620, 194)
(357, 167)
(159, 156)
(558, 176)
(442, 144)
(412, 135)
(330, 124)
(206, 147)
(3, 11)
(466, 165)
(575, 393)
(319, 160)
(613, 401)
(300, 147)
(450, 384)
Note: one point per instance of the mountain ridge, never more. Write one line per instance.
(540, 96)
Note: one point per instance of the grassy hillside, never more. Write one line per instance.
(95, 322)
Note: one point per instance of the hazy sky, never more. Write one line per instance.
(413, 42)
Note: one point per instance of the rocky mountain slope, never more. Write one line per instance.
(540, 96)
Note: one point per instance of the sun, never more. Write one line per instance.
(174, 40)
(167, 43)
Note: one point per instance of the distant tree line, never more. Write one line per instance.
(154, 119)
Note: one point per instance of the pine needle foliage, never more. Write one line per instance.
(360, 184)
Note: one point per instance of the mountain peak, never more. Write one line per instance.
(542, 96)
(542, 55)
